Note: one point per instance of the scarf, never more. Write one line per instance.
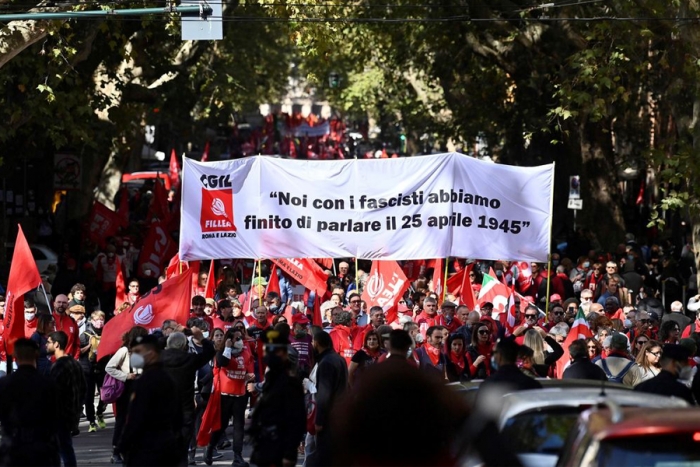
(373, 354)
(433, 354)
(458, 360)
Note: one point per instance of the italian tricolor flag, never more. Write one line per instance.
(494, 291)
(579, 330)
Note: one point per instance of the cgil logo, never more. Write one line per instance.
(375, 285)
(217, 210)
(216, 181)
(143, 315)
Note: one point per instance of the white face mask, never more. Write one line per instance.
(419, 338)
(137, 361)
(685, 373)
(29, 316)
(205, 334)
(238, 345)
(403, 319)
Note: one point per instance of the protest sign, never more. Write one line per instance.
(406, 208)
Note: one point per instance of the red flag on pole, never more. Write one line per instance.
(438, 277)
(454, 283)
(174, 170)
(160, 209)
(580, 329)
(24, 277)
(169, 300)
(209, 289)
(176, 267)
(385, 286)
(205, 154)
(121, 285)
(467, 291)
(305, 271)
(273, 285)
(158, 246)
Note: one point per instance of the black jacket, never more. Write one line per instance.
(29, 417)
(151, 435)
(666, 384)
(509, 378)
(583, 368)
(279, 419)
(331, 382)
(182, 367)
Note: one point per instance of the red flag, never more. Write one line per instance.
(205, 154)
(579, 330)
(24, 277)
(103, 223)
(176, 267)
(209, 288)
(325, 262)
(510, 309)
(305, 271)
(454, 283)
(412, 269)
(438, 277)
(121, 285)
(169, 300)
(195, 267)
(273, 285)
(211, 419)
(160, 209)
(524, 275)
(317, 318)
(157, 248)
(467, 292)
(174, 170)
(385, 286)
(123, 209)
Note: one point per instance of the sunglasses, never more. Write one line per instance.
(530, 316)
(641, 342)
(558, 313)
(592, 347)
(655, 354)
(484, 331)
(354, 301)
(647, 321)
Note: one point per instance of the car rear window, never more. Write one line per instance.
(674, 450)
(541, 431)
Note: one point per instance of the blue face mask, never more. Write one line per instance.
(555, 262)
(494, 363)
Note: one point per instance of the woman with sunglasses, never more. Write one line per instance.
(669, 332)
(648, 359)
(479, 352)
(595, 349)
(457, 365)
(638, 342)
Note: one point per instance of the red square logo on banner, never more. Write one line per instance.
(217, 211)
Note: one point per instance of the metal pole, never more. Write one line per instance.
(204, 10)
(575, 219)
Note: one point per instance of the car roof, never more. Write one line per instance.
(532, 399)
(641, 421)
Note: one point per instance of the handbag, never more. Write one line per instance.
(111, 389)
(310, 414)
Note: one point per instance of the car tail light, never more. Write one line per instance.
(696, 436)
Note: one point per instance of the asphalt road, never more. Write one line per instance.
(96, 448)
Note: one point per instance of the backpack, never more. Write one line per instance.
(618, 377)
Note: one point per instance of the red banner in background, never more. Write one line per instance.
(305, 271)
(103, 223)
(158, 247)
(169, 300)
(24, 277)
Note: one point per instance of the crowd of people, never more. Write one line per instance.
(260, 365)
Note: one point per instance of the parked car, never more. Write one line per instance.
(618, 437)
(43, 255)
(537, 422)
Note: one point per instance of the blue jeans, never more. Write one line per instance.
(65, 447)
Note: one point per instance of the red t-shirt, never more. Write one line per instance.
(233, 375)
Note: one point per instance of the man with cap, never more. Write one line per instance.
(403, 316)
(301, 340)
(279, 418)
(618, 365)
(153, 425)
(448, 318)
(674, 365)
(77, 312)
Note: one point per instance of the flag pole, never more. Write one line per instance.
(549, 245)
(250, 291)
(259, 280)
(444, 282)
(46, 297)
(357, 279)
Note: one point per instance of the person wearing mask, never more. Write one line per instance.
(234, 368)
(77, 312)
(120, 368)
(279, 419)
(301, 340)
(70, 387)
(45, 326)
(29, 411)
(479, 352)
(93, 371)
(674, 366)
(331, 382)
(182, 366)
(66, 324)
(581, 366)
(153, 427)
(649, 359)
(448, 319)
(30, 320)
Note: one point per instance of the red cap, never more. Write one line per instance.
(555, 298)
(403, 308)
(300, 318)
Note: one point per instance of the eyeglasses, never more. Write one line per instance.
(558, 313)
(645, 321)
(354, 301)
(592, 347)
(530, 316)
(641, 342)
(484, 331)
(655, 354)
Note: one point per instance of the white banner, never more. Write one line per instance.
(407, 208)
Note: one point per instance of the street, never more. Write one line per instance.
(96, 448)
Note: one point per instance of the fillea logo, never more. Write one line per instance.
(216, 218)
(143, 315)
(375, 285)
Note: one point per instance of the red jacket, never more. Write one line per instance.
(343, 342)
(68, 325)
(424, 321)
(30, 327)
